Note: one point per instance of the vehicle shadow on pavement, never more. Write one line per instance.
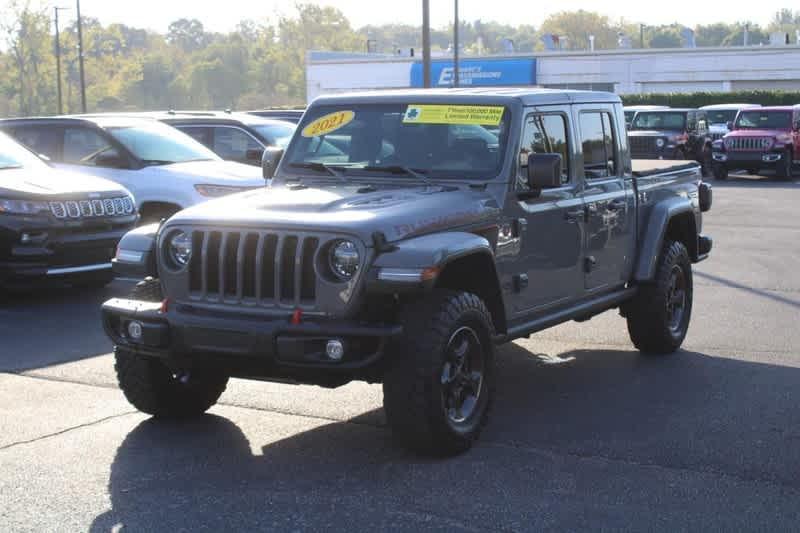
(57, 324)
(770, 181)
(689, 414)
(740, 286)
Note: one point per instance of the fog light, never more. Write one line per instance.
(135, 330)
(25, 238)
(334, 350)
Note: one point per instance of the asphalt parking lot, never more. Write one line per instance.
(585, 433)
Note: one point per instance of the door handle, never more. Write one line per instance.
(617, 205)
(575, 215)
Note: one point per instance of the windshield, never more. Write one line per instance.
(659, 120)
(162, 144)
(721, 116)
(437, 141)
(764, 120)
(275, 134)
(13, 155)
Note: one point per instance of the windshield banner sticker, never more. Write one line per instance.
(328, 123)
(454, 114)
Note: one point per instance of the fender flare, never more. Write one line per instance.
(136, 253)
(653, 238)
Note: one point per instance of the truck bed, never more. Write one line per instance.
(647, 167)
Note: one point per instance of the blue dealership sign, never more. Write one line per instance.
(478, 72)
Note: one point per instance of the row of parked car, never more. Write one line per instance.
(71, 186)
(721, 137)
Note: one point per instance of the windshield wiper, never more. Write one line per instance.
(321, 167)
(400, 169)
(9, 167)
(156, 162)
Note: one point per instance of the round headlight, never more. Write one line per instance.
(180, 249)
(344, 259)
(660, 143)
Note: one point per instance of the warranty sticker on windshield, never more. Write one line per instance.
(454, 114)
(328, 123)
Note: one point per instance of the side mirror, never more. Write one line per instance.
(254, 155)
(269, 161)
(730, 125)
(544, 171)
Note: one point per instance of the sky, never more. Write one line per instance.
(223, 15)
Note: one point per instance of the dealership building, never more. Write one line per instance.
(622, 71)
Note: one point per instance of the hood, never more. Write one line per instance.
(51, 182)
(756, 133)
(213, 172)
(397, 212)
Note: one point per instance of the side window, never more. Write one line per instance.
(233, 143)
(598, 140)
(83, 146)
(199, 134)
(543, 134)
(42, 140)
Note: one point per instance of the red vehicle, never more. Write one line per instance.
(762, 138)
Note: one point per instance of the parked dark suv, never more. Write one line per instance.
(671, 134)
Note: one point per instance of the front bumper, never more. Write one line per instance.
(32, 249)
(748, 160)
(187, 333)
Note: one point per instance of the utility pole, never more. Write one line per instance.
(641, 35)
(58, 61)
(80, 58)
(426, 43)
(455, 47)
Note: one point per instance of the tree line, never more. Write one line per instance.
(262, 63)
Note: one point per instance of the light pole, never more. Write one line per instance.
(455, 46)
(426, 43)
(58, 61)
(80, 58)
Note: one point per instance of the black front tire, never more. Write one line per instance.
(720, 172)
(784, 170)
(653, 323)
(156, 389)
(422, 390)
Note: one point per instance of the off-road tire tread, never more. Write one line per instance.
(646, 312)
(408, 395)
(147, 383)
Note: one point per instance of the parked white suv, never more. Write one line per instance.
(164, 169)
(719, 115)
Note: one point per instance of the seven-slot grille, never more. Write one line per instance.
(643, 145)
(717, 136)
(108, 207)
(748, 144)
(269, 269)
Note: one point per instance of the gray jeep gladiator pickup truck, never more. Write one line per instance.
(401, 237)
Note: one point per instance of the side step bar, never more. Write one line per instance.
(584, 309)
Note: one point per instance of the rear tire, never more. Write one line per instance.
(720, 172)
(658, 316)
(439, 387)
(156, 389)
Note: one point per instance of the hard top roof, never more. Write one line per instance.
(121, 119)
(779, 108)
(713, 107)
(528, 96)
(102, 121)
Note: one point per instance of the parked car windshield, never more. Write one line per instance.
(764, 120)
(659, 120)
(721, 116)
(437, 141)
(161, 144)
(275, 134)
(13, 155)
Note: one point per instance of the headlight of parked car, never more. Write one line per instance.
(179, 249)
(21, 207)
(344, 259)
(660, 143)
(215, 191)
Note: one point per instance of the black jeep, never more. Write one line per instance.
(671, 134)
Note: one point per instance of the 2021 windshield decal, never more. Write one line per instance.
(328, 123)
